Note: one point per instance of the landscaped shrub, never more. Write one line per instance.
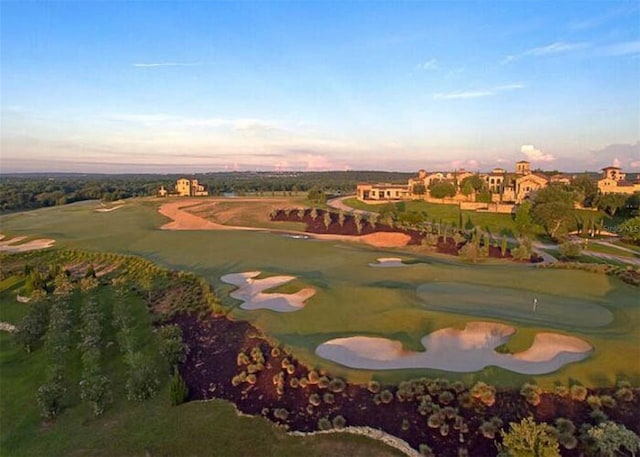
(531, 393)
(281, 413)
(323, 382)
(458, 386)
(324, 424)
(570, 250)
(594, 401)
(405, 425)
(425, 450)
(49, 399)
(33, 326)
(529, 438)
(256, 355)
(252, 379)
(386, 397)
(142, 379)
(172, 348)
(484, 392)
(444, 429)
(339, 422)
(578, 392)
(178, 390)
(313, 377)
(610, 439)
(328, 398)
(275, 351)
(624, 394)
(294, 383)
(314, 399)
(337, 385)
(445, 397)
(607, 401)
(488, 430)
(435, 420)
(373, 386)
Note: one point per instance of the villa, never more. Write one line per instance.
(185, 188)
(613, 182)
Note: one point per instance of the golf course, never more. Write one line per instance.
(346, 297)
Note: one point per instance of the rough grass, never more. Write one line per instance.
(150, 428)
(355, 299)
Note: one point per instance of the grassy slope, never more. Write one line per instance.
(353, 298)
(153, 427)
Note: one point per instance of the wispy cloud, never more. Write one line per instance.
(477, 93)
(601, 19)
(431, 64)
(558, 47)
(166, 120)
(620, 49)
(165, 64)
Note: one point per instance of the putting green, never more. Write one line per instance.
(513, 304)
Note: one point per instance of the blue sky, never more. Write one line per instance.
(204, 86)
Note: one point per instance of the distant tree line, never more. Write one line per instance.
(30, 191)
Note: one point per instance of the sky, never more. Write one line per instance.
(313, 85)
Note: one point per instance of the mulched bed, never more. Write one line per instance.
(349, 227)
(215, 343)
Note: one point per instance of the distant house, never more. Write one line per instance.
(383, 191)
(613, 182)
(190, 188)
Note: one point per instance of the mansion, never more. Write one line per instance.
(185, 188)
(505, 189)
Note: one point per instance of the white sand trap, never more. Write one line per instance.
(7, 327)
(108, 210)
(464, 351)
(388, 262)
(23, 299)
(11, 245)
(250, 292)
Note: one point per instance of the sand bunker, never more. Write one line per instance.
(388, 262)
(108, 210)
(12, 247)
(464, 351)
(7, 327)
(250, 292)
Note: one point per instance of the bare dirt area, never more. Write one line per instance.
(188, 214)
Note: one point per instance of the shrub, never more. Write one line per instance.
(324, 423)
(313, 377)
(488, 430)
(291, 369)
(339, 422)
(425, 451)
(458, 386)
(624, 394)
(594, 401)
(567, 441)
(178, 390)
(569, 250)
(610, 438)
(33, 326)
(531, 393)
(49, 399)
(578, 392)
(323, 382)
(252, 379)
(337, 385)
(281, 413)
(449, 412)
(386, 397)
(434, 420)
(444, 429)
(565, 426)
(314, 399)
(445, 397)
(529, 438)
(256, 355)
(294, 383)
(275, 351)
(142, 380)
(608, 401)
(405, 425)
(328, 398)
(484, 392)
(303, 382)
(373, 386)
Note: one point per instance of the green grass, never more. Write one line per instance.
(127, 428)
(354, 299)
(595, 247)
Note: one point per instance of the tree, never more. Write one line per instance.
(553, 209)
(442, 189)
(419, 189)
(570, 250)
(630, 229)
(610, 203)
(530, 439)
(609, 438)
(523, 219)
(585, 188)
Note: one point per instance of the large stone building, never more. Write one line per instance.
(190, 188)
(614, 181)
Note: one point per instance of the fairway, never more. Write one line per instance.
(353, 299)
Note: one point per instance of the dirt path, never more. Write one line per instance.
(183, 220)
(338, 203)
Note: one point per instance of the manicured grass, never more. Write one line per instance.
(595, 247)
(153, 427)
(354, 299)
